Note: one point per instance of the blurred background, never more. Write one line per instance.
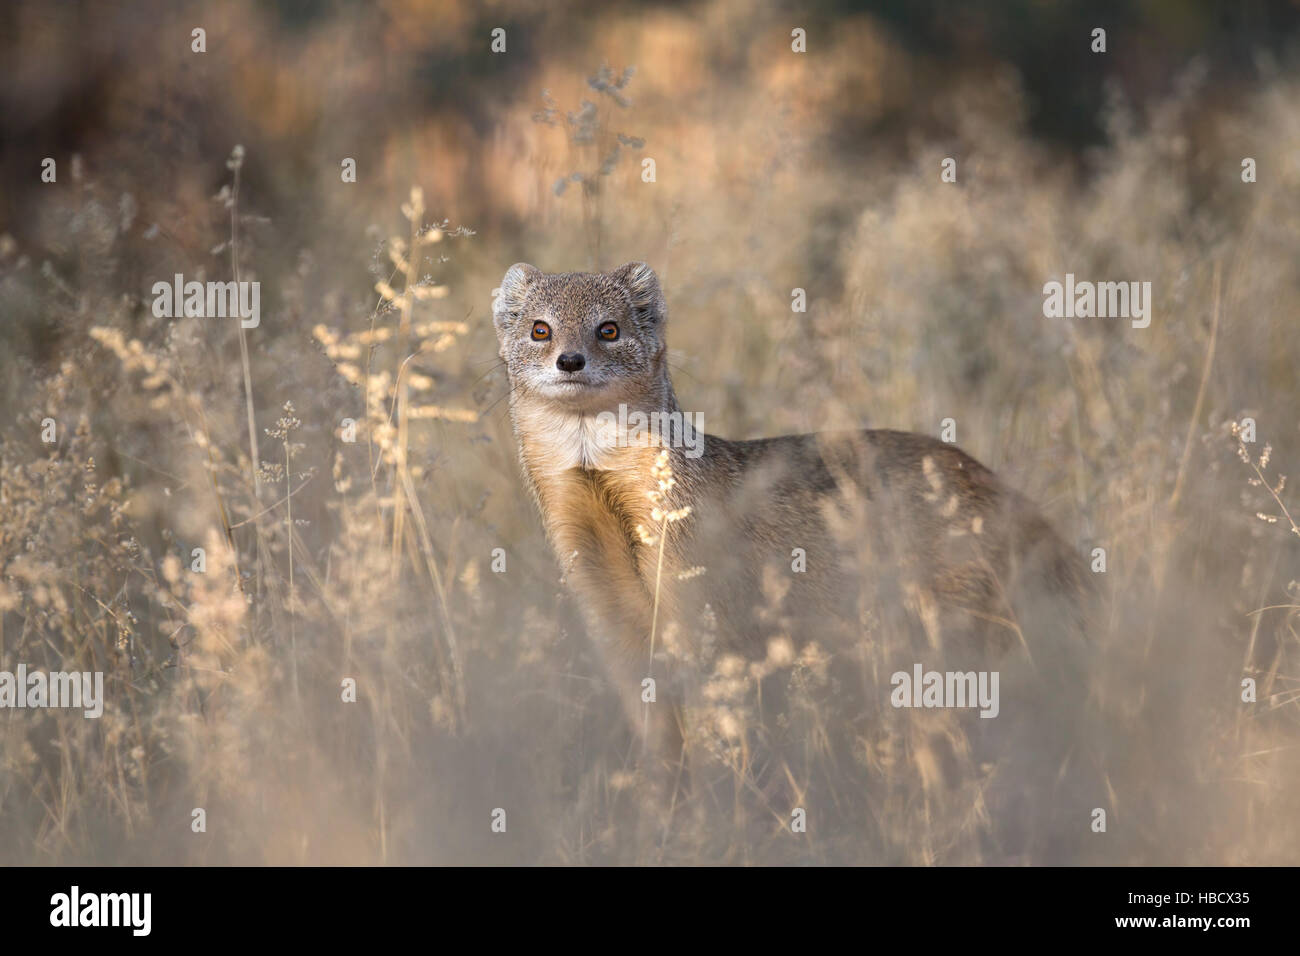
(773, 170)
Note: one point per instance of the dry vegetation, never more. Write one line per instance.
(371, 559)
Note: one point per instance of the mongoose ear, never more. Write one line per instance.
(643, 289)
(514, 287)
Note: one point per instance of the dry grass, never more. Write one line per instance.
(373, 560)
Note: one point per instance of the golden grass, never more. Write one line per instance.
(373, 560)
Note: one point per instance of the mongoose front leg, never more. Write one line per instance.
(620, 629)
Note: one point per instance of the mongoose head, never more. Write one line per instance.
(582, 341)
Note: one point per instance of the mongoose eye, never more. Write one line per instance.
(541, 331)
(608, 331)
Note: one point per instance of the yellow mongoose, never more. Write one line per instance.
(800, 536)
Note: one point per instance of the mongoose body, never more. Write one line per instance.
(829, 537)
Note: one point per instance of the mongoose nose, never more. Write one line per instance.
(571, 362)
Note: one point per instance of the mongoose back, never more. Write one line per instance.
(829, 536)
